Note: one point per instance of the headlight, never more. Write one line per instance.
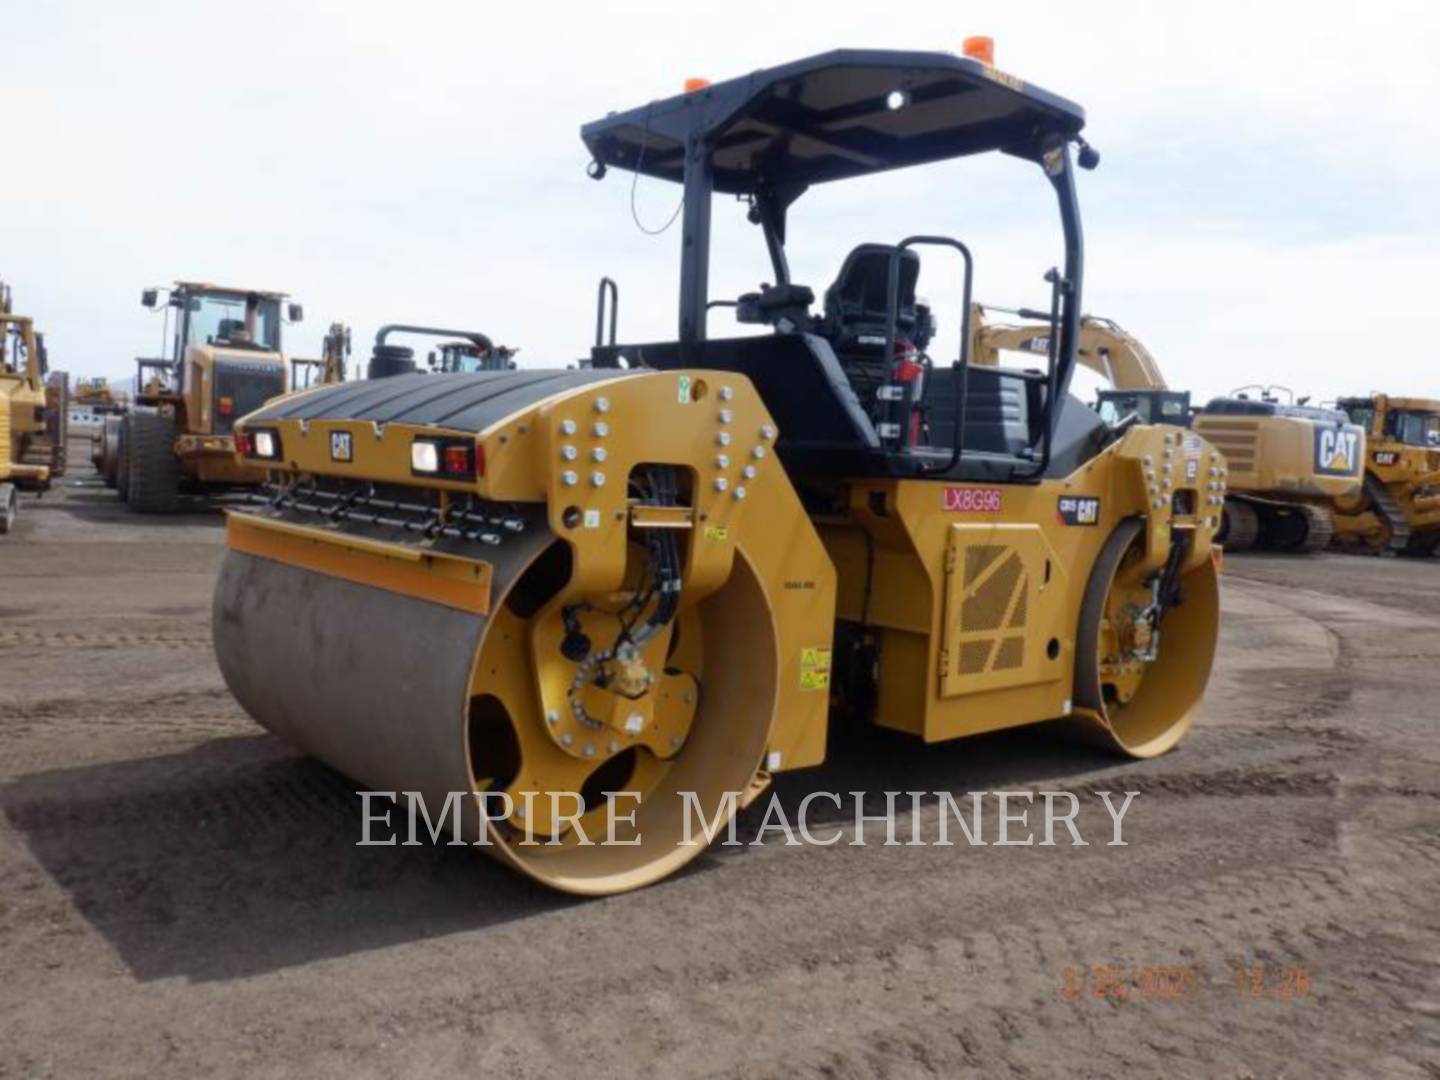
(425, 456)
(265, 444)
(451, 458)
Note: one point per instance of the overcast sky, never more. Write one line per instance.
(1264, 210)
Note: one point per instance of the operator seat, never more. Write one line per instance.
(855, 313)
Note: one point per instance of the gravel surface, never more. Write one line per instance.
(180, 894)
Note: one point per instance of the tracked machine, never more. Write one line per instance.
(1397, 509)
(225, 359)
(33, 412)
(1285, 463)
(620, 597)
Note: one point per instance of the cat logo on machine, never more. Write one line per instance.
(342, 446)
(1386, 457)
(1079, 510)
(1337, 450)
(973, 500)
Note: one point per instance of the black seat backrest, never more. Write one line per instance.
(856, 305)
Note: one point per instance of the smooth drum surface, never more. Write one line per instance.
(371, 682)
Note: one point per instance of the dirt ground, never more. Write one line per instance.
(180, 894)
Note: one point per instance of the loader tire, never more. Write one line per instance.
(9, 506)
(1239, 526)
(1422, 545)
(122, 460)
(154, 468)
(109, 463)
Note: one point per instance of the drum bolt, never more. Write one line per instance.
(722, 461)
(721, 483)
(566, 739)
(602, 404)
(598, 454)
(612, 746)
(674, 742)
(567, 427)
(635, 723)
(601, 429)
(597, 479)
(726, 393)
(569, 453)
(723, 439)
(748, 472)
(758, 453)
(568, 478)
(726, 416)
(552, 718)
(739, 493)
(589, 750)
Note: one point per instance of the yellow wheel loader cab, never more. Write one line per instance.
(1398, 506)
(658, 573)
(1285, 465)
(224, 360)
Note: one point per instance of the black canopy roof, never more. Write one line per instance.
(832, 116)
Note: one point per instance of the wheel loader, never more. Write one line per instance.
(585, 613)
(1398, 507)
(1286, 463)
(224, 359)
(33, 412)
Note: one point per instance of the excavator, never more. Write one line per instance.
(1285, 462)
(1136, 385)
(583, 613)
(332, 365)
(1398, 507)
(33, 412)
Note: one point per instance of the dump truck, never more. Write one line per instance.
(33, 412)
(1137, 388)
(564, 602)
(1286, 463)
(224, 359)
(1397, 509)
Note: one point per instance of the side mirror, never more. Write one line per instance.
(148, 297)
(297, 312)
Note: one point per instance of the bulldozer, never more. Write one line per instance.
(585, 613)
(96, 396)
(1286, 463)
(34, 410)
(225, 359)
(1397, 508)
(1137, 388)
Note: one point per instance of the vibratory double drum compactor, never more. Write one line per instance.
(660, 572)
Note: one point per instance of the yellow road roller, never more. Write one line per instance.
(587, 612)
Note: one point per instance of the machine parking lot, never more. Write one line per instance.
(180, 893)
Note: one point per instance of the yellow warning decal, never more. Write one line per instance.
(716, 532)
(814, 669)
